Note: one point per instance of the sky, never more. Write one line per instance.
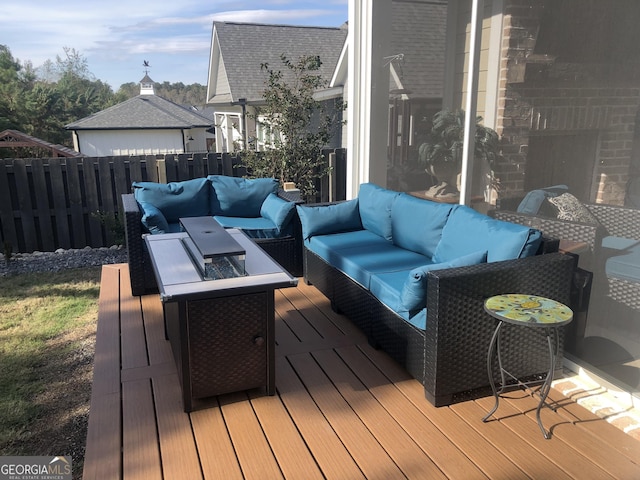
(117, 36)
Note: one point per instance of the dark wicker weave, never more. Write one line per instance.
(223, 344)
(615, 221)
(287, 250)
(449, 358)
(561, 229)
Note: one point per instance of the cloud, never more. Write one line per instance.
(114, 35)
(269, 16)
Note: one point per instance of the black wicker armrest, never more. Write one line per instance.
(458, 330)
(135, 248)
(618, 221)
(552, 227)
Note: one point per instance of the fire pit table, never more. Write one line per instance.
(217, 290)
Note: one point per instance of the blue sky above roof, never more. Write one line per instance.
(117, 36)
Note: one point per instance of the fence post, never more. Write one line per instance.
(161, 168)
(332, 176)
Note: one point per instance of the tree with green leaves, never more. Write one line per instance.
(15, 80)
(296, 125)
(40, 102)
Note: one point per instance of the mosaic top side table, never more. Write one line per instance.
(527, 311)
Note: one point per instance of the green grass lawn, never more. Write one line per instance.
(47, 337)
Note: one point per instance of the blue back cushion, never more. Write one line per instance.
(533, 200)
(176, 199)
(374, 203)
(417, 224)
(240, 197)
(468, 231)
(340, 217)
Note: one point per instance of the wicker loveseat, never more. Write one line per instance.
(365, 254)
(254, 205)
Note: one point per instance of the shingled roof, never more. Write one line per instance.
(419, 34)
(239, 49)
(142, 112)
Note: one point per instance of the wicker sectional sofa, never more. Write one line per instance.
(254, 205)
(414, 274)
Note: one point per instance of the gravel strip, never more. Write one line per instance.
(61, 260)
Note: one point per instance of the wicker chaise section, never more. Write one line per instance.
(616, 221)
(287, 251)
(449, 358)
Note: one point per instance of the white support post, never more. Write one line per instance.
(477, 11)
(368, 93)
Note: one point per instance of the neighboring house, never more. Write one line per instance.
(146, 124)
(237, 82)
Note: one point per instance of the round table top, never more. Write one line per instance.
(528, 310)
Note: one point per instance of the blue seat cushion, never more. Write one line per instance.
(417, 224)
(256, 227)
(624, 259)
(468, 231)
(174, 227)
(361, 253)
(320, 220)
(374, 204)
(239, 197)
(175, 199)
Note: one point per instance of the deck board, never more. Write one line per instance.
(288, 446)
(141, 458)
(218, 459)
(342, 410)
(250, 444)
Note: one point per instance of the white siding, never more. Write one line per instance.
(97, 143)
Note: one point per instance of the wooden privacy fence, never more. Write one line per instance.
(51, 203)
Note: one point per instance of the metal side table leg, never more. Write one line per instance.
(493, 347)
(546, 386)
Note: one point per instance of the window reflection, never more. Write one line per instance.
(560, 83)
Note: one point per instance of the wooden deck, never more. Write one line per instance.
(342, 411)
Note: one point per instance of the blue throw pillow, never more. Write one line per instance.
(240, 197)
(278, 210)
(339, 217)
(414, 292)
(153, 219)
(374, 203)
(175, 199)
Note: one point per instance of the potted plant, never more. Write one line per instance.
(441, 154)
(296, 126)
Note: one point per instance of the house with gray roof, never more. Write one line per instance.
(142, 125)
(237, 82)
